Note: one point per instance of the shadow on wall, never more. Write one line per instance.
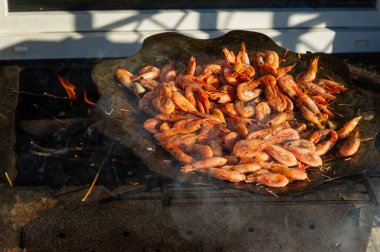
(100, 44)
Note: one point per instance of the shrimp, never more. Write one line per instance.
(149, 73)
(163, 102)
(124, 77)
(210, 130)
(274, 98)
(348, 127)
(277, 119)
(311, 117)
(351, 145)
(168, 67)
(191, 66)
(182, 140)
(176, 151)
(199, 150)
(205, 164)
(232, 176)
(301, 143)
(230, 56)
(242, 129)
(189, 95)
(230, 140)
(262, 111)
(311, 72)
(307, 156)
(164, 126)
(216, 148)
(304, 100)
(281, 155)
(331, 86)
(287, 85)
(316, 136)
(204, 100)
(290, 173)
(242, 55)
(283, 135)
(244, 168)
(145, 103)
(248, 91)
(183, 103)
(325, 146)
(247, 149)
(244, 109)
(268, 179)
(170, 117)
(152, 125)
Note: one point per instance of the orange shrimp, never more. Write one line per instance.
(351, 145)
(348, 127)
(216, 148)
(200, 151)
(244, 168)
(189, 95)
(311, 72)
(268, 179)
(301, 143)
(305, 155)
(176, 151)
(192, 64)
(149, 73)
(323, 147)
(275, 99)
(163, 102)
(290, 173)
(230, 56)
(230, 140)
(247, 149)
(146, 103)
(262, 111)
(281, 155)
(277, 119)
(164, 126)
(331, 86)
(152, 125)
(168, 67)
(248, 91)
(183, 103)
(232, 176)
(245, 109)
(204, 100)
(205, 164)
(311, 117)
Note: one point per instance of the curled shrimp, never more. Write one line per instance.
(311, 72)
(230, 140)
(290, 173)
(348, 127)
(287, 85)
(262, 111)
(247, 149)
(277, 119)
(189, 95)
(232, 176)
(205, 164)
(350, 146)
(244, 168)
(152, 125)
(268, 179)
(307, 156)
(275, 99)
(216, 147)
(149, 73)
(323, 147)
(163, 102)
(281, 155)
(244, 109)
(248, 91)
(183, 103)
(200, 151)
(168, 67)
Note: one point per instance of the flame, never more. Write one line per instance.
(86, 100)
(70, 88)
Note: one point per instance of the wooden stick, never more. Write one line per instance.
(91, 186)
(9, 179)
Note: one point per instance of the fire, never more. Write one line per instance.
(86, 100)
(70, 88)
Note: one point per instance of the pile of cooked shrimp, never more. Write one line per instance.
(243, 117)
